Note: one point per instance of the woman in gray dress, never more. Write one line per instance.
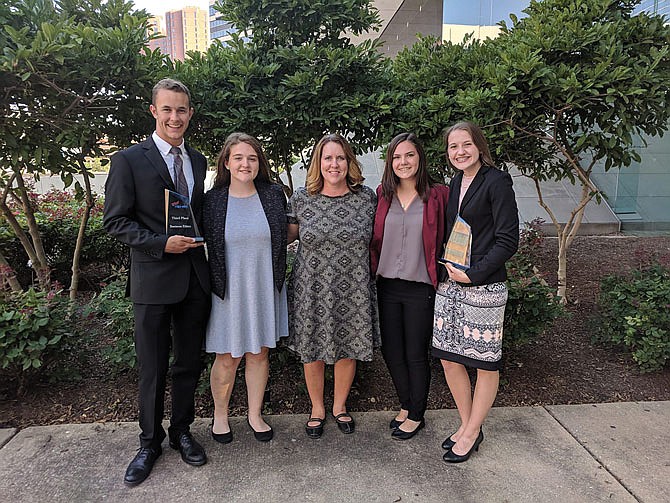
(245, 229)
(331, 292)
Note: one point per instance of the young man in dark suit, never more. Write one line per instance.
(169, 277)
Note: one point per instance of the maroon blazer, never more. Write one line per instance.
(433, 228)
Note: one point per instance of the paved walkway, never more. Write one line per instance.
(563, 453)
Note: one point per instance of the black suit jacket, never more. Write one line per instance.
(489, 207)
(215, 210)
(135, 215)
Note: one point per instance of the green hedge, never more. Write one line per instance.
(634, 311)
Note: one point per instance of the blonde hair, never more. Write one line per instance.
(314, 181)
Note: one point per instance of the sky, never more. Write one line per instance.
(455, 11)
(160, 7)
(481, 12)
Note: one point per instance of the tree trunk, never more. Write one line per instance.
(39, 260)
(76, 256)
(7, 275)
(562, 273)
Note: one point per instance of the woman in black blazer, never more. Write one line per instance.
(470, 303)
(244, 224)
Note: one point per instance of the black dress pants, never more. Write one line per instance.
(406, 323)
(158, 328)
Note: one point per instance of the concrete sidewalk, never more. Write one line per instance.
(562, 453)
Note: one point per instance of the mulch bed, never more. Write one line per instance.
(562, 366)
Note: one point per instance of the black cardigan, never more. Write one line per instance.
(489, 207)
(215, 207)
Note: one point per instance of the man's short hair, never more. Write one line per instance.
(170, 85)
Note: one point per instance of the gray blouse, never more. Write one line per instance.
(402, 255)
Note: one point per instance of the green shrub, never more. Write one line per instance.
(58, 218)
(634, 311)
(112, 306)
(532, 305)
(33, 330)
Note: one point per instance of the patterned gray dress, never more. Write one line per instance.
(331, 295)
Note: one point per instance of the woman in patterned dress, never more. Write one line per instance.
(245, 230)
(470, 304)
(331, 293)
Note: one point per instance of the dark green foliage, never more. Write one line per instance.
(112, 306)
(33, 331)
(531, 306)
(634, 310)
(291, 82)
(58, 214)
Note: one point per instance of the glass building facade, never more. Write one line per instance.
(639, 194)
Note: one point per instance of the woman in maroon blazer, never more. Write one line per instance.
(408, 232)
(470, 304)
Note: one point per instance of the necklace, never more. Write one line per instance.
(405, 205)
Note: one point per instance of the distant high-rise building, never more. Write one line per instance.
(156, 27)
(219, 28)
(187, 29)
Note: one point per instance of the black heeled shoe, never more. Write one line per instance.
(450, 457)
(399, 434)
(395, 423)
(222, 438)
(449, 443)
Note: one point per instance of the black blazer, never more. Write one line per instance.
(135, 214)
(489, 207)
(214, 229)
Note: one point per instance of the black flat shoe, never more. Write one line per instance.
(399, 434)
(191, 451)
(395, 423)
(140, 467)
(450, 457)
(222, 438)
(262, 436)
(315, 431)
(345, 426)
(449, 443)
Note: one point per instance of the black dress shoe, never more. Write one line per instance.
(399, 434)
(395, 423)
(449, 443)
(262, 436)
(450, 457)
(345, 426)
(191, 451)
(315, 431)
(140, 467)
(222, 438)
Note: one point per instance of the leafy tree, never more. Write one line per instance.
(426, 79)
(289, 76)
(72, 74)
(572, 84)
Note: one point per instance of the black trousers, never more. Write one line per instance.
(158, 328)
(406, 323)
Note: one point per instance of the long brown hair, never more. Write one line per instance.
(390, 180)
(222, 178)
(314, 181)
(477, 137)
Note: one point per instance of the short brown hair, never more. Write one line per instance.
(170, 85)
(314, 182)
